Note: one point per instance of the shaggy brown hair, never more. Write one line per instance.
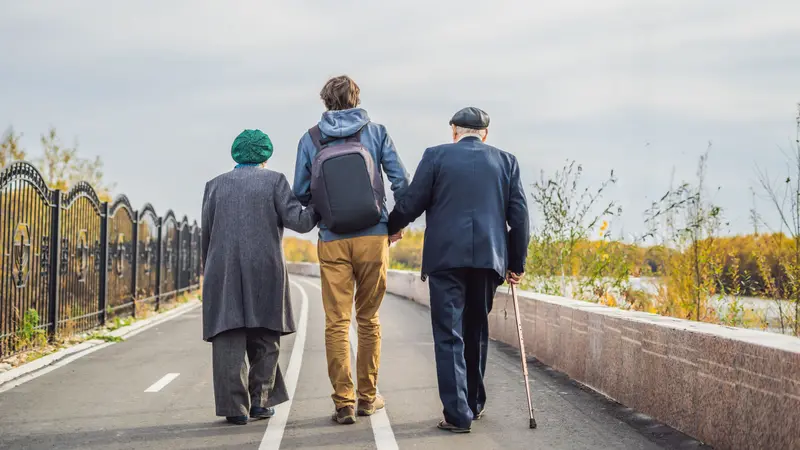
(340, 93)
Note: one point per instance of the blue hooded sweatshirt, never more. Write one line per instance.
(374, 137)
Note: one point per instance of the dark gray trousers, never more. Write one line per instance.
(238, 386)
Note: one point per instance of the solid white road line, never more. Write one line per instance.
(381, 427)
(274, 433)
(162, 383)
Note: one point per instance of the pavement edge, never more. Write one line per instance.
(78, 350)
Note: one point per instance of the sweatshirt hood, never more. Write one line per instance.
(343, 123)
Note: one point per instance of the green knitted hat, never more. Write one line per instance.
(251, 147)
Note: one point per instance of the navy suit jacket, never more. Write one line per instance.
(476, 210)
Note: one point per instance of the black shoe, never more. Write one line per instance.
(443, 425)
(237, 420)
(257, 413)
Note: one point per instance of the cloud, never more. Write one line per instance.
(160, 88)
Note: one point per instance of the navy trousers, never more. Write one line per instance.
(461, 300)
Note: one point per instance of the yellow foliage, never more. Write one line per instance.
(299, 250)
(10, 149)
(406, 254)
(609, 300)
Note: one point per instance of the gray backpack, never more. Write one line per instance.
(346, 185)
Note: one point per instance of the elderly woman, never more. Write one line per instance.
(246, 304)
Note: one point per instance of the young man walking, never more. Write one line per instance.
(353, 246)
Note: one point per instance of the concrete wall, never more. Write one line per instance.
(731, 388)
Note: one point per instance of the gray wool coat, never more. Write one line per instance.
(246, 284)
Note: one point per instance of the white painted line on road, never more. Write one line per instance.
(162, 383)
(381, 427)
(61, 358)
(274, 433)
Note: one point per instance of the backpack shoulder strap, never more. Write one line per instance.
(355, 137)
(316, 136)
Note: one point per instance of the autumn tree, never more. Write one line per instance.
(299, 250)
(10, 149)
(406, 254)
(63, 167)
(91, 171)
(57, 161)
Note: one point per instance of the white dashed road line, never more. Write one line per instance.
(162, 383)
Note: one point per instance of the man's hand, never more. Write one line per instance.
(395, 237)
(513, 278)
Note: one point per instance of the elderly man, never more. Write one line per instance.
(477, 234)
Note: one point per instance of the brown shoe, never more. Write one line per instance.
(345, 416)
(368, 409)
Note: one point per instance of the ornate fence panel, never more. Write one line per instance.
(81, 260)
(197, 267)
(120, 256)
(25, 257)
(67, 260)
(185, 254)
(147, 263)
(169, 256)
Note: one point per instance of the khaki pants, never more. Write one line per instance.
(346, 265)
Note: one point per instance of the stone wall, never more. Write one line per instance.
(731, 388)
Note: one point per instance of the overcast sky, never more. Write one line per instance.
(159, 89)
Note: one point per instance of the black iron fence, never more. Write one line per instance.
(69, 261)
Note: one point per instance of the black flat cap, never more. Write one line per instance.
(471, 117)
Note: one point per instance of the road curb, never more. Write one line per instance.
(141, 325)
(78, 350)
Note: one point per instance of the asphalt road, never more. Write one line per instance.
(100, 400)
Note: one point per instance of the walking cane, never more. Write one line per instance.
(522, 354)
